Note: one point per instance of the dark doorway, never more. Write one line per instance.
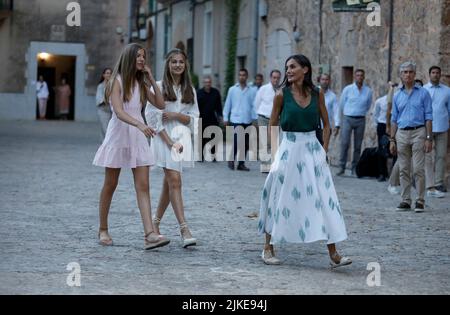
(49, 74)
(347, 76)
(54, 68)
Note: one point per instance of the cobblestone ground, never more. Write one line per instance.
(48, 204)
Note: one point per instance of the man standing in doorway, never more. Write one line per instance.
(435, 164)
(210, 107)
(264, 104)
(239, 111)
(411, 135)
(356, 100)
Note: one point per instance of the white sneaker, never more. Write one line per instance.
(435, 193)
(394, 190)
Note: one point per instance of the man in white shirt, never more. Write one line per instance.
(42, 96)
(379, 120)
(264, 104)
(331, 101)
(435, 164)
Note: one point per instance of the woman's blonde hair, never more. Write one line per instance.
(185, 82)
(126, 68)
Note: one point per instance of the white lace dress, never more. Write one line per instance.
(164, 156)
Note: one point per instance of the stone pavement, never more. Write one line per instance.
(49, 194)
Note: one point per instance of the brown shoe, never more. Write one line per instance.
(153, 240)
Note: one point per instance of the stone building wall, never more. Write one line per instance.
(33, 20)
(347, 40)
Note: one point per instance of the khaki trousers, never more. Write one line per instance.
(410, 150)
(435, 161)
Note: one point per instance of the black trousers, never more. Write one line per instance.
(206, 140)
(247, 141)
(382, 161)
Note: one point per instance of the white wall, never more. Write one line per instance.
(17, 107)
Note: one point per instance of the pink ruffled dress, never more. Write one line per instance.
(125, 146)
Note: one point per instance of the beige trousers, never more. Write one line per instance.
(411, 156)
(435, 161)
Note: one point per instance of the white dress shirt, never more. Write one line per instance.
(440, 96)
(264, 100)
(42, 89)
(380, 111)
(332, 106)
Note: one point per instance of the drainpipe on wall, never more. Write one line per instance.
(193, 5)
(256, 37)
(320, 30)
(391, 31)
(130, 10)
(155, 41)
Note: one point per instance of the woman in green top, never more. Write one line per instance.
(299, 203)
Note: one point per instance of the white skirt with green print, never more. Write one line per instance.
(299, 203)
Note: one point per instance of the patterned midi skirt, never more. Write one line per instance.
(299, 203)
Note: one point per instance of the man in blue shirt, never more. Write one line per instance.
(435, 170)
(356, 100)
(411, 127)
(239, 111)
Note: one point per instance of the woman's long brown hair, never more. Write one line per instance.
(126, 68)
(185, 82)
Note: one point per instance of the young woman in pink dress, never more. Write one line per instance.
(125, 144)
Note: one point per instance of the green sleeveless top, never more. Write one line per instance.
(297, 119)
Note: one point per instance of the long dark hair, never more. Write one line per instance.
(186, 82)
(102, 78)
(308, 85)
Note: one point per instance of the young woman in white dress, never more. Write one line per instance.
(172, 146)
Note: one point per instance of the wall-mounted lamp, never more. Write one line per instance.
(120, 32)
(297, 35)
(43, 56)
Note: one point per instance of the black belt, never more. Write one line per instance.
(412, 128)
(264, 116)
(357, 117)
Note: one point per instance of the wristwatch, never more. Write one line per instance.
(429, 138)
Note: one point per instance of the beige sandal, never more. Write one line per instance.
(104, 238)
(156, 223)
(186, 236)
(341, 260)
(153, 240)
(268, 256)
